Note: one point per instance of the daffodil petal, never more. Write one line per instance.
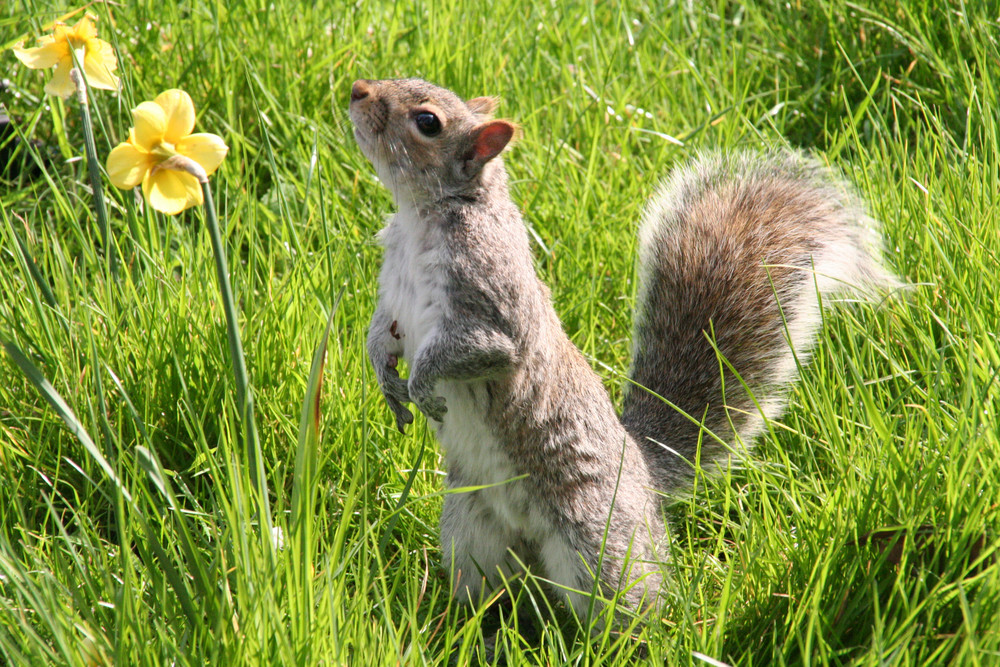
(171, 192)
(85, 29)
(179, 112)
(97, 69)
(150, 124)
(44, 56)
(60, 84)
(104, 52)
(61, 34)
(127, 165)
(205, 149)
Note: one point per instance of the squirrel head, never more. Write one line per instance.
(425, 142)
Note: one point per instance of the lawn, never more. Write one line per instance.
(140, 526)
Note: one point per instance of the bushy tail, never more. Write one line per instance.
(736, 251)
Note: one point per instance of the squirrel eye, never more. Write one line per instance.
(428, 124)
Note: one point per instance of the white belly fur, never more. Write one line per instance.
(412, 288)
(469, 443)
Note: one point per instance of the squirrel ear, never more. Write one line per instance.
(488, 140)
(482, 106)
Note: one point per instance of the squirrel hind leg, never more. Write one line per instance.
(736, 252)
(479, 550)
(635, 577)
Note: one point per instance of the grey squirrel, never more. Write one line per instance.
(734, 252)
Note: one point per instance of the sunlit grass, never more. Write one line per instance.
(864, 530)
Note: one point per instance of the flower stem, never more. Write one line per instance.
(96, 184)
(244, 393)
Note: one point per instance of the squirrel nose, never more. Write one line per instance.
(360, 90)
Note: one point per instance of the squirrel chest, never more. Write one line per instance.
(413, 285)
(412, 282)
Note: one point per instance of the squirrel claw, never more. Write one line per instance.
(403, 415)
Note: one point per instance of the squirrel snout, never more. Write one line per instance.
(360, 90)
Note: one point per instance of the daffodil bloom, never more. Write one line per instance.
(95, 56)
(162, 131)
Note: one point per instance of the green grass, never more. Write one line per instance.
(864, 531)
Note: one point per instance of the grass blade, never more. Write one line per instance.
(65, 412)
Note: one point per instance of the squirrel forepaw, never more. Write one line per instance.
(421, 390)
(432, 406)
(396, 394)
(395, 387)
(403, 415)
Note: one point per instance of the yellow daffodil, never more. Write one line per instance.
(95, 55)
(163, 131)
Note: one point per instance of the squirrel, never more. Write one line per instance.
(736, 253)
